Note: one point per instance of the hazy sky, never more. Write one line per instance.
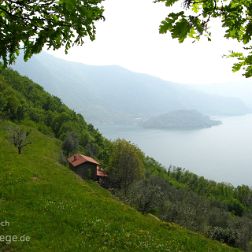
(129, 37)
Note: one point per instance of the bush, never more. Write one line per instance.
(63, 159)
(225, 235)
(235, 207)
(70, 144)
(146, 195)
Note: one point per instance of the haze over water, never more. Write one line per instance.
(221, 153)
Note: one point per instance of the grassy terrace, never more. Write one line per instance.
(60, 212)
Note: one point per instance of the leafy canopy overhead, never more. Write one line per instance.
(32, 24)
(193, 21)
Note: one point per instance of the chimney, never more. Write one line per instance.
(74, 157)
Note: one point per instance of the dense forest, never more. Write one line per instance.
(23, 100)
(219, 211)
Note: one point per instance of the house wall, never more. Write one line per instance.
(86, 170)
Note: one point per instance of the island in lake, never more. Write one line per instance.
(181, 120)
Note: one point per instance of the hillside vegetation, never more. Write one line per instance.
(23, 100)
(60, 212)
(35, 181)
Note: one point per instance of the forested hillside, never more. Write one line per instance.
(35, 182)
(23, 100)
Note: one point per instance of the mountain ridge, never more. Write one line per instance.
(112, 94)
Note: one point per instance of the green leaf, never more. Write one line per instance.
(235, 17)
(196, 7)
(181, 30)
(169, 3)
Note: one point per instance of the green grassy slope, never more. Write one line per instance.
(60, 212)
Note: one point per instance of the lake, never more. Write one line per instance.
(221, 153)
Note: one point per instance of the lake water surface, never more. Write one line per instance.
(221, 153)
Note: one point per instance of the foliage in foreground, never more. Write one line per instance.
(193, 18)
(33, 24)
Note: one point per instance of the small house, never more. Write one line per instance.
(87, 167)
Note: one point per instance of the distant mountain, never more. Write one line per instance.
(241, 90)
(181, 120)
(111, 94)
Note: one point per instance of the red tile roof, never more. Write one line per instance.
(78, 159)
